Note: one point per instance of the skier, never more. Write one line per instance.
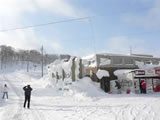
(5, 91)
(118, 87)
(27, 93)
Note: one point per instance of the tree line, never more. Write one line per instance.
(10, 56)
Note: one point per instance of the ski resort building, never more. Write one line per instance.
(112, 62)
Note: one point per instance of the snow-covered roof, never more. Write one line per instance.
(141, 65)
(132, 55)
(92, 56)
(89, 57)
(102, 73)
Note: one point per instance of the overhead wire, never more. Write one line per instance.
(43, 24)
(71, 20)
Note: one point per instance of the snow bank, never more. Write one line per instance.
(66, 66)
(87, 87)
(80, 88)
(59, 65)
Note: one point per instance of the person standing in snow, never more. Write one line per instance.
(141, 91)
(5, 91)
(118, 87)
(143, 85)
(27, 91)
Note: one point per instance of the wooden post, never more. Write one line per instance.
(28, 61)
(73, 69)
(80, 69)
(57, 77)
(42, 60)
(63, 75)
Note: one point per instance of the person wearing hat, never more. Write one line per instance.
(27, 92)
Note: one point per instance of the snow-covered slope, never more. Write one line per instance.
(83, 100)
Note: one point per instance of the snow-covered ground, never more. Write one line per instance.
(83, 101)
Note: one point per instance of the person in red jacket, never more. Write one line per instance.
(143, 85)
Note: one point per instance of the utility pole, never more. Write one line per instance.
(28, 61)
(27, 65)
(42, 59)
(1, 60)
(130, 50)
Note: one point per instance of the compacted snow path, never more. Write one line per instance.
(83, 101)
(14, 105)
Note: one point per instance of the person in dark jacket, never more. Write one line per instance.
(118, 87)
(27, 93)
(141, 90)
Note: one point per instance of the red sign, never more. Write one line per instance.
(140, 72)
(157, 71)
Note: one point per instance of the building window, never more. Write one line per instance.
(147, 62)
(128, 61)
(117, 60)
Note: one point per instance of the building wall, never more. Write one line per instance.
(124, 61)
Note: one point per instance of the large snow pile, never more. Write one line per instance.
(90, 60)
(60, 66)
(87, 87)
(83, 86)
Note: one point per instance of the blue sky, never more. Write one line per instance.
(114, 26)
